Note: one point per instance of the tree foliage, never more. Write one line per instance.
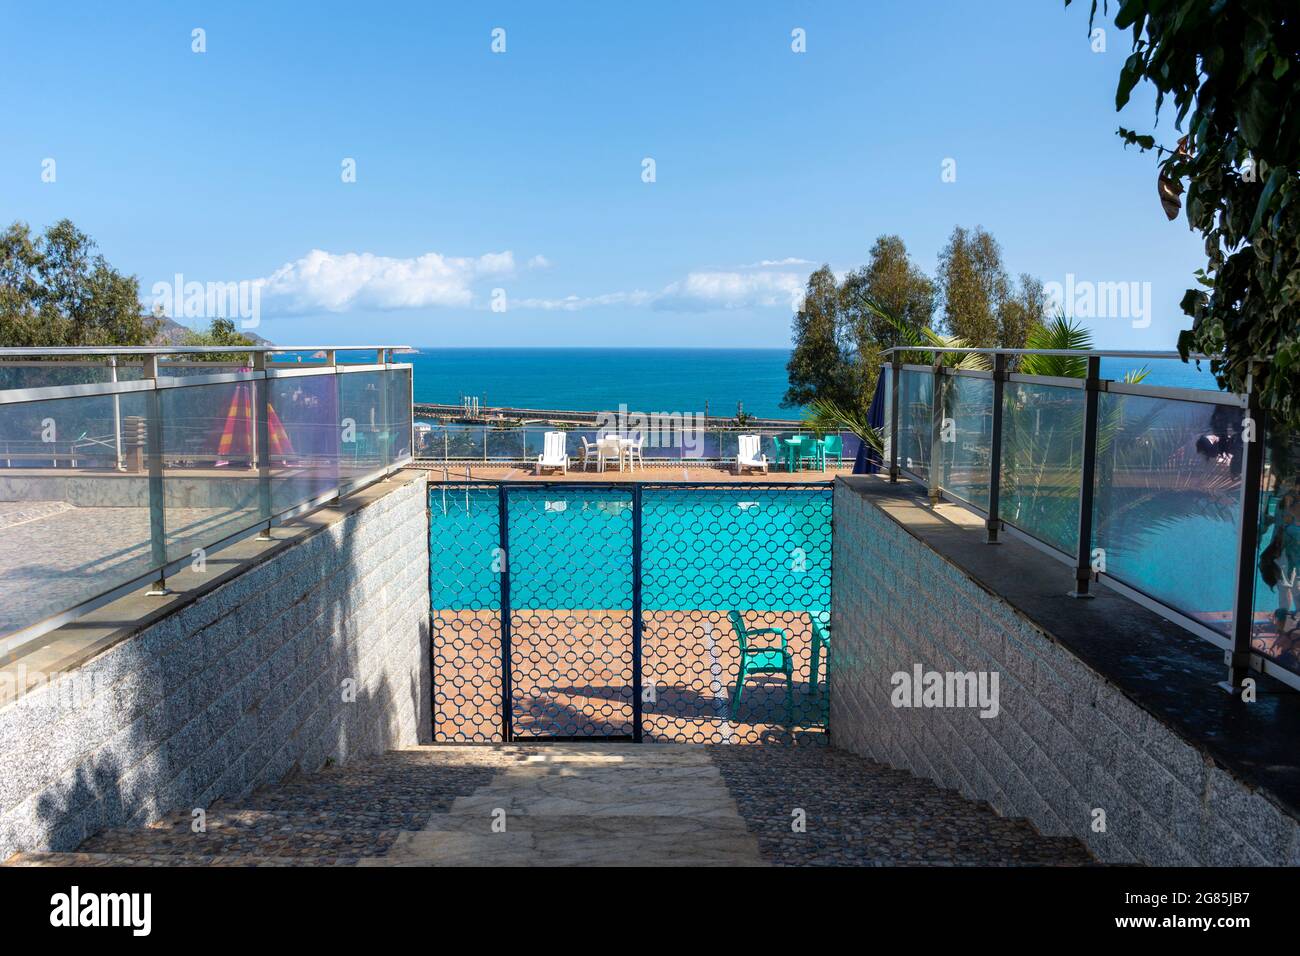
(56, 291)
(892, 282)
(1232, 71)
(220, 333)
(889, 293)
(981, 304)
(821, 363)
(843, 328)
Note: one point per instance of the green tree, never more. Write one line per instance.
(892, 282)
(1233, 73)
(1021, 312)
(821, 363)
(56, 291)
(973, 283)
(220, 333)
(981, 304)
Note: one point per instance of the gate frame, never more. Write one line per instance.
(637, 487)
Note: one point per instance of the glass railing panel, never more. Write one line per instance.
(915, 423)
(366, 435)
(74, 503)
(23, 374)
(505, 443)
(210, 464)
(306, 438)
(1042, 461)
(966, 439)
(1275, 624)
(169, 371)
(399, 413)
(887, 383)
(1167, 505)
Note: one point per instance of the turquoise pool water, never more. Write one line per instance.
(702, 548)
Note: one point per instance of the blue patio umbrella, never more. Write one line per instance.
(868, 461)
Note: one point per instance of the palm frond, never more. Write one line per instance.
(1061, 333)
(825, 415)
(923, 336)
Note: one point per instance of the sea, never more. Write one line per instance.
(662, 380)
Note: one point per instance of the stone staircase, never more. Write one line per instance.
(585, 804)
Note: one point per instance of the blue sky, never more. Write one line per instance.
(522, 170)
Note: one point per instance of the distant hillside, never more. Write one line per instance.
(171, 332)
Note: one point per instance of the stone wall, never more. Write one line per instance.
(239, 687)
(1066, 741)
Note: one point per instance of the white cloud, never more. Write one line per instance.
(778, 263)
(697, 292)
(575, 303)
(341, 282)
(329, 282)
(701, 291)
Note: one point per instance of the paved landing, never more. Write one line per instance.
(592, 805)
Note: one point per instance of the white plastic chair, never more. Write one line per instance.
(609, 447)
(748, 454)
(633, 448)
(589, 452)
(553, 454)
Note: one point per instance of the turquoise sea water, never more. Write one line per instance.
(651, 380)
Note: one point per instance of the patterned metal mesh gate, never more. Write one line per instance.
(465, 585)
(713, 560)
(570, 600)
(651, 611)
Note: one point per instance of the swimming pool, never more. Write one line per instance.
(541, 637)
(702, 548)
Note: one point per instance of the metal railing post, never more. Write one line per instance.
(262, 442)
(157, 490)
(1087, 481)
(993, 523)
(935, 474)
(1238, 658)
(896, 374)
(637, 623)
(507, 703)
(119, 462)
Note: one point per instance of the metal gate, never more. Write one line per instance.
(630, 611)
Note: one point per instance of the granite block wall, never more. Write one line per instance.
(1065, 743)
(318, 653)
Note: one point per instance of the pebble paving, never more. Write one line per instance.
(859, 813)
(856, 813)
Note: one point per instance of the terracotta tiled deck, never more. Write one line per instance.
(650, 472)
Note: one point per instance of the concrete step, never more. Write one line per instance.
(264, 838)
(576, 841)
(80, 859)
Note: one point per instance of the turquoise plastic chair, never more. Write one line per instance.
(762, 660)
(833, 445)
(810, 451)
(821, 638)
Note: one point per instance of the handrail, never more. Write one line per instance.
(194, 349)
(1071, 353)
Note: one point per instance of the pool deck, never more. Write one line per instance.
(692, 472)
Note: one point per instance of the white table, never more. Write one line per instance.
(615, 445)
